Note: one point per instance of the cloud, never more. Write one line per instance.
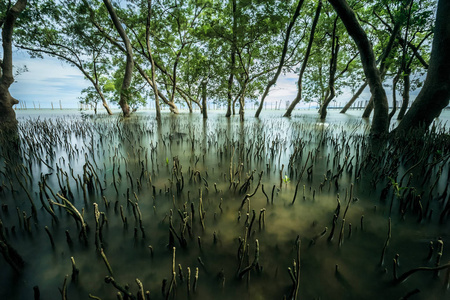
(285, 88)
(47, 80)
(50, 80)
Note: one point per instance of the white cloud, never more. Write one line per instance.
(47, 80)
(285, 88)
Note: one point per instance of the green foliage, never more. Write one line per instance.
(191, 42)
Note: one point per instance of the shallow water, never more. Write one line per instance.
(162, 170)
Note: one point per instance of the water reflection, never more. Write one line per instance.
(155, 184)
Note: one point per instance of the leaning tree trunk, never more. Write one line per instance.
(368, 109)
(123, 101)
(355, 96)
(297, 99)
(104, 102)
(172, 106)
(435, 93)
(384, 64)
(331, 80)
(405, 103)
(380, 123)
(394, 96)
(8, 121)
(283, 57)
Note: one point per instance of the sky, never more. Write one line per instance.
(49, 81)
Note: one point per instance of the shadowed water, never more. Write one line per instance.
(162, 171)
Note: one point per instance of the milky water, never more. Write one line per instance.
(162, 170)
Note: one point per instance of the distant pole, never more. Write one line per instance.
(60, 105)
(52, 105)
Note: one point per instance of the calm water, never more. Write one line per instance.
(166, 174)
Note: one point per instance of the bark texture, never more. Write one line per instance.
(8, 120)
(380, 121)
(435, 93)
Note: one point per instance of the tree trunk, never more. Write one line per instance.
(189, 104)
(242, 102)
(283, 56)
(204, 105)
(8, 121)
(241, 107)
(172, 106)
(126, 83)
(368, 109)
(435, 93)
(394, 95)
(380, 123)
(152, 61)
(305, 61)
(384, 64)
(333, 67)
(233, 63)
(405, 102)
(353, 99)
(104, 103)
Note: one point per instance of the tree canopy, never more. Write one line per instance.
(184, 52)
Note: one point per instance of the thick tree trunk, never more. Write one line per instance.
(8, 122)
(228, 113)
(380, 123)
(123, 101)
(435, 93)
(405, 102)
(283, 56)
(305, 61)
(353, 99)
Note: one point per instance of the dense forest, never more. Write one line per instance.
(234, 51)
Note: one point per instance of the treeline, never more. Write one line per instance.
(174, 51)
